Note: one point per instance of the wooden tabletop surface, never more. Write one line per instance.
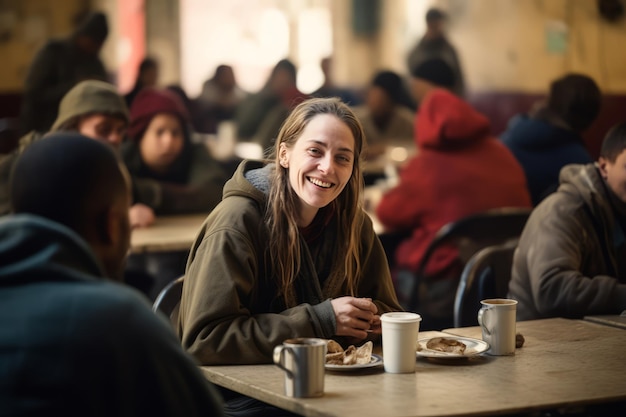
(168, 233)
(563, 363)
(617, 320)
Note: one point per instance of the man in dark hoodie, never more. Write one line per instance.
(72, 342)
(57, 67)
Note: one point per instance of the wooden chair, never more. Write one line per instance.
(486, 275)
(168, 300)
(469, 235)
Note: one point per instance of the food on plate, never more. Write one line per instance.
(519, 340)
(351, 356)
(333, 347)
(443, 344)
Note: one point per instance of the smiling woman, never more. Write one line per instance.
(285, 253)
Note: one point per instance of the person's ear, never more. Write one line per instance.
(282, 156)
(603, 166)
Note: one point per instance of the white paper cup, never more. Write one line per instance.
(497, 318)
(400, 331)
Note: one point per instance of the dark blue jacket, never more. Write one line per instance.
(75, 344)
(543, 149)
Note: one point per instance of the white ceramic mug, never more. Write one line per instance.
(497, 320)
(400, 331)
(303, 361)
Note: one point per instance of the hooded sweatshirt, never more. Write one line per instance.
(459, 170)
(568, 259)
(230, 311)
(543, 149)
(75, 344)
(85, 98)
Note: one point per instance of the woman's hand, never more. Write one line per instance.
(355, 317)
(140, 215)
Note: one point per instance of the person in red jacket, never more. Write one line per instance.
(460, 169)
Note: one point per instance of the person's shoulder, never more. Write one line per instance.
(114, 311)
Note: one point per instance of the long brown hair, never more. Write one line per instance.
(283, 202)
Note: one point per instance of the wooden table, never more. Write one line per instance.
(609, 320)
(563, 363)
(168, 233)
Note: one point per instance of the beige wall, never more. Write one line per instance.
(25, 26)
(502, 43)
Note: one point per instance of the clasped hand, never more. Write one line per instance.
(356, 317)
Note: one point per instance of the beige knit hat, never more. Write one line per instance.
(90, 96)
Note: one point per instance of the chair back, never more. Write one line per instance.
(469, 235)
(168, 300)
(486, 275)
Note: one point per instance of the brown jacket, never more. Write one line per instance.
(230, 312)
(566, 263)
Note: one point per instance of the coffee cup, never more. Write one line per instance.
(400, 331)
(497, 320)
(303, 360)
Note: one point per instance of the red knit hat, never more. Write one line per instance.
(150, 102)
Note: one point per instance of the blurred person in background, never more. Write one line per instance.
(172, 174)
(330, 89)
(59, 66)
(147, 76)
(388, 114)
(219, 99)
(434, 44)
(550, 136)
(260, 116)
(460, 169)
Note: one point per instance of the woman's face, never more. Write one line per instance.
(319, 164)
(162, 142)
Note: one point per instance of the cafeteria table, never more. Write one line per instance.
(609, 320)
(167, 234)
(563, 364)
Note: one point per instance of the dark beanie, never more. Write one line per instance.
(392, 84)
(150, 102)
(436, 71)
(95, 26)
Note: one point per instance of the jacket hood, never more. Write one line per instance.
(586, 182)
(33, 248)
(90, 96)
(532, 134)
(251, 180)
(445, 120)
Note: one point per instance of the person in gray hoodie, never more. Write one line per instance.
(571, 258)
(72, 341)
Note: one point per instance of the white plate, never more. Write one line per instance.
(473, 347)
(376, 360)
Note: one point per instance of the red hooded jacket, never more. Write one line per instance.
(459, 170)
